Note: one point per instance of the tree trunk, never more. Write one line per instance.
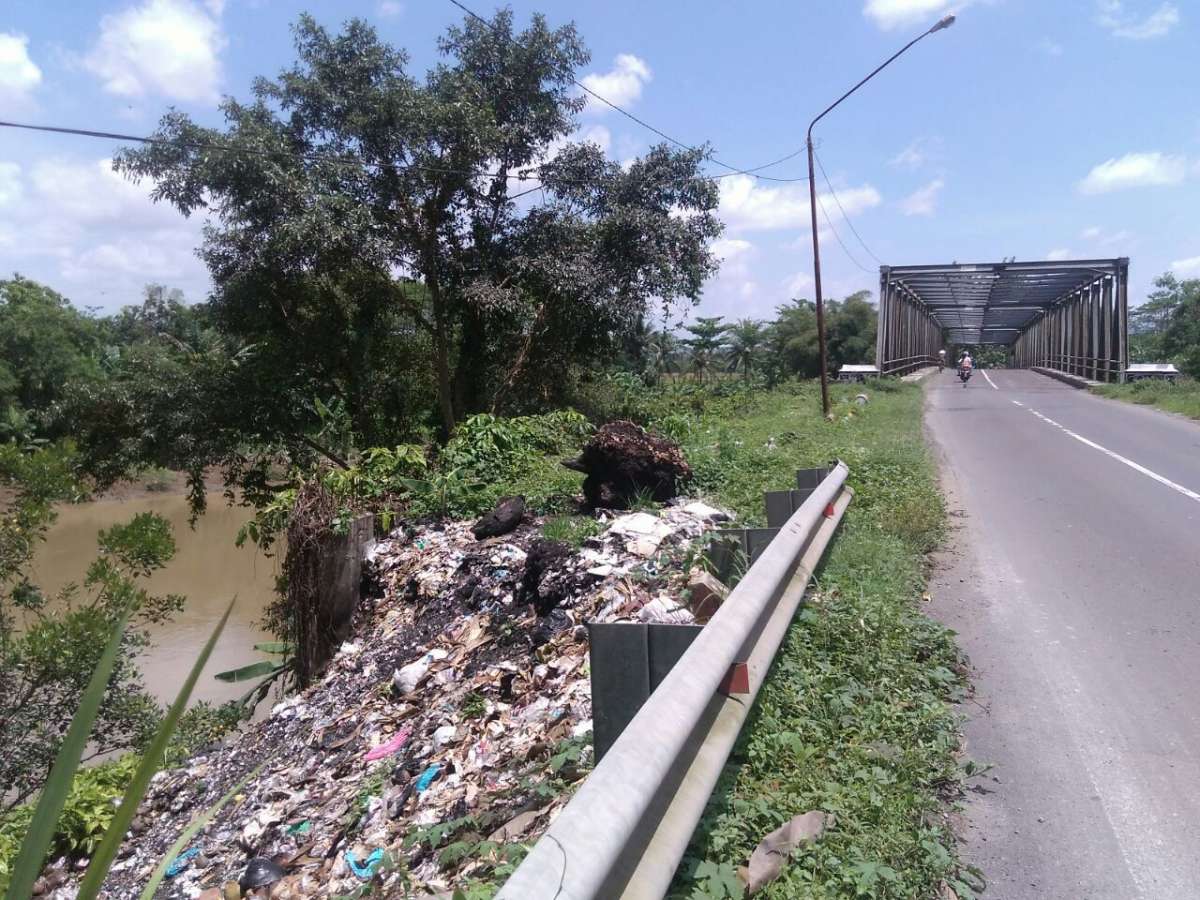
(441, 356)
(470, 368)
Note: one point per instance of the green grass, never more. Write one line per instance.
(573, 530)
(856, 716)
(1182, 398)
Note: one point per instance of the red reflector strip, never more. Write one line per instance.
(737, 680)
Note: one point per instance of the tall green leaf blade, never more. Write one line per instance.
(103, 858)
(28, 864)
(254, 670)
(275, 647)
(188, 833)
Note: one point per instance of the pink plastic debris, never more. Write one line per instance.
(387, 748)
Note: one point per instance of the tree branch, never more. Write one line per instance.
(324, 451)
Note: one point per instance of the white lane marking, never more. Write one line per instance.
(989, 380)
(1118, 457)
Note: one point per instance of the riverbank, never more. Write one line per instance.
(456, 722)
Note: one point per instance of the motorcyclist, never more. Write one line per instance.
(965, 363)
(941, 359)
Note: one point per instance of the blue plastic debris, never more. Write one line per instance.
(179, 863)
(427, 777)
(367, 868)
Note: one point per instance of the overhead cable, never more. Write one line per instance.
(733, 170)
(845, 217)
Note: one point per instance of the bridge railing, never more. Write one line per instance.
(1084, 333)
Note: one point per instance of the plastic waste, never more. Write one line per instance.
(426, 777)
(388, 747)
(181, 862)
(408, 677)
(368, 867)
(260, 872)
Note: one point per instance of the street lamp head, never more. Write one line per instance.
(943, 23)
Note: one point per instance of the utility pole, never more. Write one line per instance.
(812, 201)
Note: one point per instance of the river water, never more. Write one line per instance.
(207, 568)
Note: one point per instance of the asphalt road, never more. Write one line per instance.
(1074, 583)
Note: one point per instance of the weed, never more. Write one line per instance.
(573, 530)
(473, 706)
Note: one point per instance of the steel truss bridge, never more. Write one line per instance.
(1069, 315)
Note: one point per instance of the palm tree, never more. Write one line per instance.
(661, 351)
(708, 339)
(746, 339)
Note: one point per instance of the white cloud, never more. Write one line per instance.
(10, 184)
(622, 85)
(1134, 170)
(1189, 266)
(165, 47)
(1112, 16)
(1097, 235)
(1059, 253)
(798, 284)
(889, 14)
(748, 206)
(917, 154)
(923, 201)
(730, 249)
(18, 73)
(1050, 47)
(390, 9)
(97, 237)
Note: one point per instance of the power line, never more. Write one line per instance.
(250, 151)
(733, 170)
(845, 217)
(841, 243)
(526, 174)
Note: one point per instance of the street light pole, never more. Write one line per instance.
(812, 202)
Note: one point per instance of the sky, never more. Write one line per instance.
(1028, 129)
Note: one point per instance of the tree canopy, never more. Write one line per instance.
(350, 189)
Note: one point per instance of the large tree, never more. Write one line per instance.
(44, 343)
(1181, 334)
(349, 166)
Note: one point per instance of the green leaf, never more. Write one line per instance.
(89, 888)
(188, 833)
(275, 647)
(254, 670)
(37, 840)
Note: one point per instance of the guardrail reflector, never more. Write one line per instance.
(737, 680)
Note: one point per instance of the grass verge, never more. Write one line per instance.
(1182, 397)
(856, 717)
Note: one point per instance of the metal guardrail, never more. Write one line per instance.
(907, 364)
(626, 829)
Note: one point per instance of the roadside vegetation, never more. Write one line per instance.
(857, 716)
(1183, 397)
(1166, 327)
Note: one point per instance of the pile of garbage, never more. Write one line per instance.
(444, 735)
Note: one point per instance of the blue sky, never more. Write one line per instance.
(1028, 129)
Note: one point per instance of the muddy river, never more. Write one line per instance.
(207, 569)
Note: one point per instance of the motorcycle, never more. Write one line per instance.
(964, 375)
